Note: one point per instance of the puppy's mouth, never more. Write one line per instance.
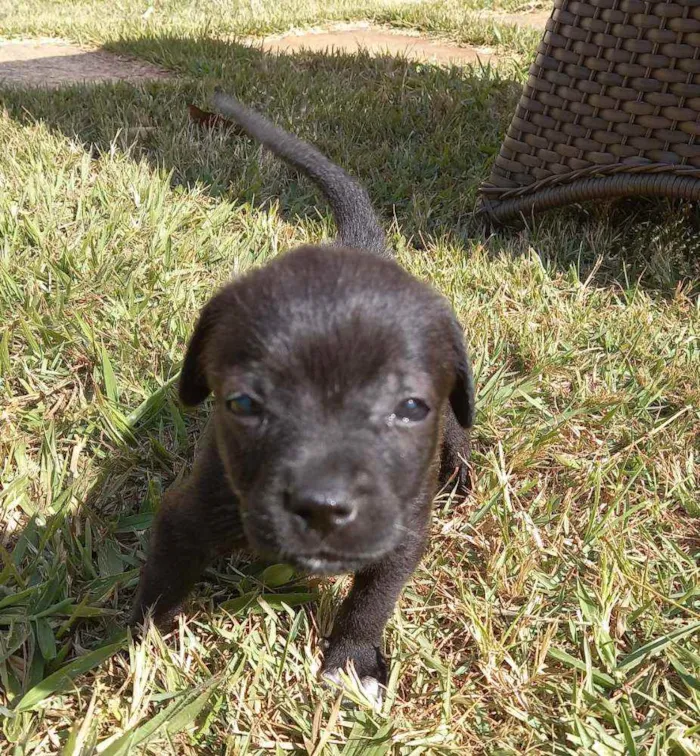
(325, 564)
(278, 536)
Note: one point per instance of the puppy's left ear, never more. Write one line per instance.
(462, 398)
(194, 386)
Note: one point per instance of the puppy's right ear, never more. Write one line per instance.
(462, 398)
(194, 387)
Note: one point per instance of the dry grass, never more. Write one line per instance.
(558, 609)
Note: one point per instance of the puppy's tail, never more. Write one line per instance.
(357, 222)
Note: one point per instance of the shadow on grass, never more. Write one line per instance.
(420, 137)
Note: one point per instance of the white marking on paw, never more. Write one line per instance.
(332, 677)
(368, 686)
(373, 691)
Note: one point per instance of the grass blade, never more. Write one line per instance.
(175, 717)
(636, 657)
(598, 677)
(109, 378)
(63, 678)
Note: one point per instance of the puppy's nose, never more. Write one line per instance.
(321, 510)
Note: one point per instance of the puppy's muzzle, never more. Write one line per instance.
(337, 503)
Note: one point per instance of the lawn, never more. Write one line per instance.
(558, 608)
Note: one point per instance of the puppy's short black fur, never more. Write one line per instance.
(342, 392)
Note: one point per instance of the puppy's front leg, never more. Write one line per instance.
(357, 634)
(196, 521)
(179, 551)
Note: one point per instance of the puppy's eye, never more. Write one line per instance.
(243, 405)
(411, 411)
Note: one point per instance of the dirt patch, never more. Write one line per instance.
(53, 63)
(352, 39)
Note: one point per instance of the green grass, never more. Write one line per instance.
(557, 609)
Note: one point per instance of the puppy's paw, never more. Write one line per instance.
(364, 660)
(141, 613)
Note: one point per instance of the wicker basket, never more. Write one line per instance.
(611, 108)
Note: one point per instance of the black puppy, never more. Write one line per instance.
(341, 383)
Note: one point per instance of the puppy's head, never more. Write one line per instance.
(330, 370)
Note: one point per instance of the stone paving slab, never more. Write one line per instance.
(375, 41)
(53, 63)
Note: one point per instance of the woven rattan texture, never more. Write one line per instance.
(612, 98)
